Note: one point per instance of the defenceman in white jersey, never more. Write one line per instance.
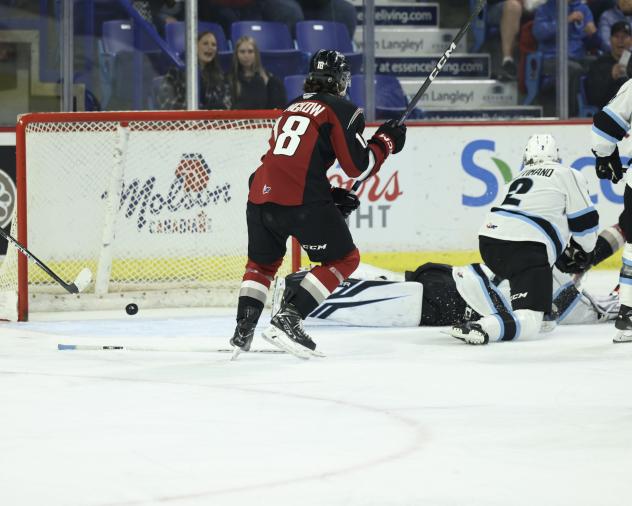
(611, 125)
(545, 206)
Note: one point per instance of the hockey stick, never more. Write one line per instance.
(435, 71)
(81, 281)
(442, 61)
(99, 347)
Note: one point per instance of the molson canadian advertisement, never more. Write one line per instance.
(429, 201)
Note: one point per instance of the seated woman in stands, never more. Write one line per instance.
(214, 88)
(253, 87)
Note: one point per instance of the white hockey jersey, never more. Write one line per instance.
(612, 123)
(547, 203)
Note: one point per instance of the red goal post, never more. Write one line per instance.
(153, 202)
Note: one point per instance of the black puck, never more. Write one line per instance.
(131, 309)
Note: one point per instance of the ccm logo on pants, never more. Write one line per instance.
(314, 247)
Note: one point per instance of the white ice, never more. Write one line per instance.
(391, 417)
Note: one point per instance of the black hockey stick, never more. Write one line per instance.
(81, 281)
(442, 61)
(435, 71)
(198, 349)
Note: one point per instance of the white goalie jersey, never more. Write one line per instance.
(547, 203)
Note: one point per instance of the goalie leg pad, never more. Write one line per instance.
(373, 303)
(474, 285)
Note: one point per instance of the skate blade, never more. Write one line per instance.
(316, 353)
(280, 340)
(621, 337)
(468, 340)
(236, 353)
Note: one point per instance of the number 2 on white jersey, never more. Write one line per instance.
(287, 142)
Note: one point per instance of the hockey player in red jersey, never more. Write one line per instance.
(290, 195)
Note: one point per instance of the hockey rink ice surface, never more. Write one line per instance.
(391, 417)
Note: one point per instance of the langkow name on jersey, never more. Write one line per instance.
(183, 208)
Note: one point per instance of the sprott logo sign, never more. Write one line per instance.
(7, 198)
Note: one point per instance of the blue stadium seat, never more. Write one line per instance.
(390, 99)
(314, 35)
(270, 35)
(285, 63)
(175, 35)
(129, 59)
(294, 85)
(118, 35)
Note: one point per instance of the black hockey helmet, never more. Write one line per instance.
(330, 70)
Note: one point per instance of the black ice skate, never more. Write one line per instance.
(623, 324)
(245, 330)
(286, 332)
(470, 332)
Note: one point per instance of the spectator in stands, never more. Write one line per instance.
(620, 12)
(608, 73)
(150, 11)
(169, 14)
(214, 88)
(582, 35)
(599, 6)
(252, 87)
(506, 15)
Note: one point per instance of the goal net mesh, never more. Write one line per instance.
(154, 208)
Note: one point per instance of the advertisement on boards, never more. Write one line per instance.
(433, 196)
(7, 183)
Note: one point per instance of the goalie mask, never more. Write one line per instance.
(541, 148)
(331, 70)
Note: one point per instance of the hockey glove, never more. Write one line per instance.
(609, 167)
(390, 136)
(345, 201)
(574, 260)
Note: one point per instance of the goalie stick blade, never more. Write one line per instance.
(83, 279)
(100, 347)
(236, 353)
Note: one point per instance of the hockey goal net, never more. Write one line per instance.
(153, 203)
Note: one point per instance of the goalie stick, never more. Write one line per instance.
(104, 347)
(435, 71)
(81, 281)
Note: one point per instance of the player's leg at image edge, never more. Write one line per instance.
(623, 323)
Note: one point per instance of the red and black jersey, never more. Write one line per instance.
(313, 131)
